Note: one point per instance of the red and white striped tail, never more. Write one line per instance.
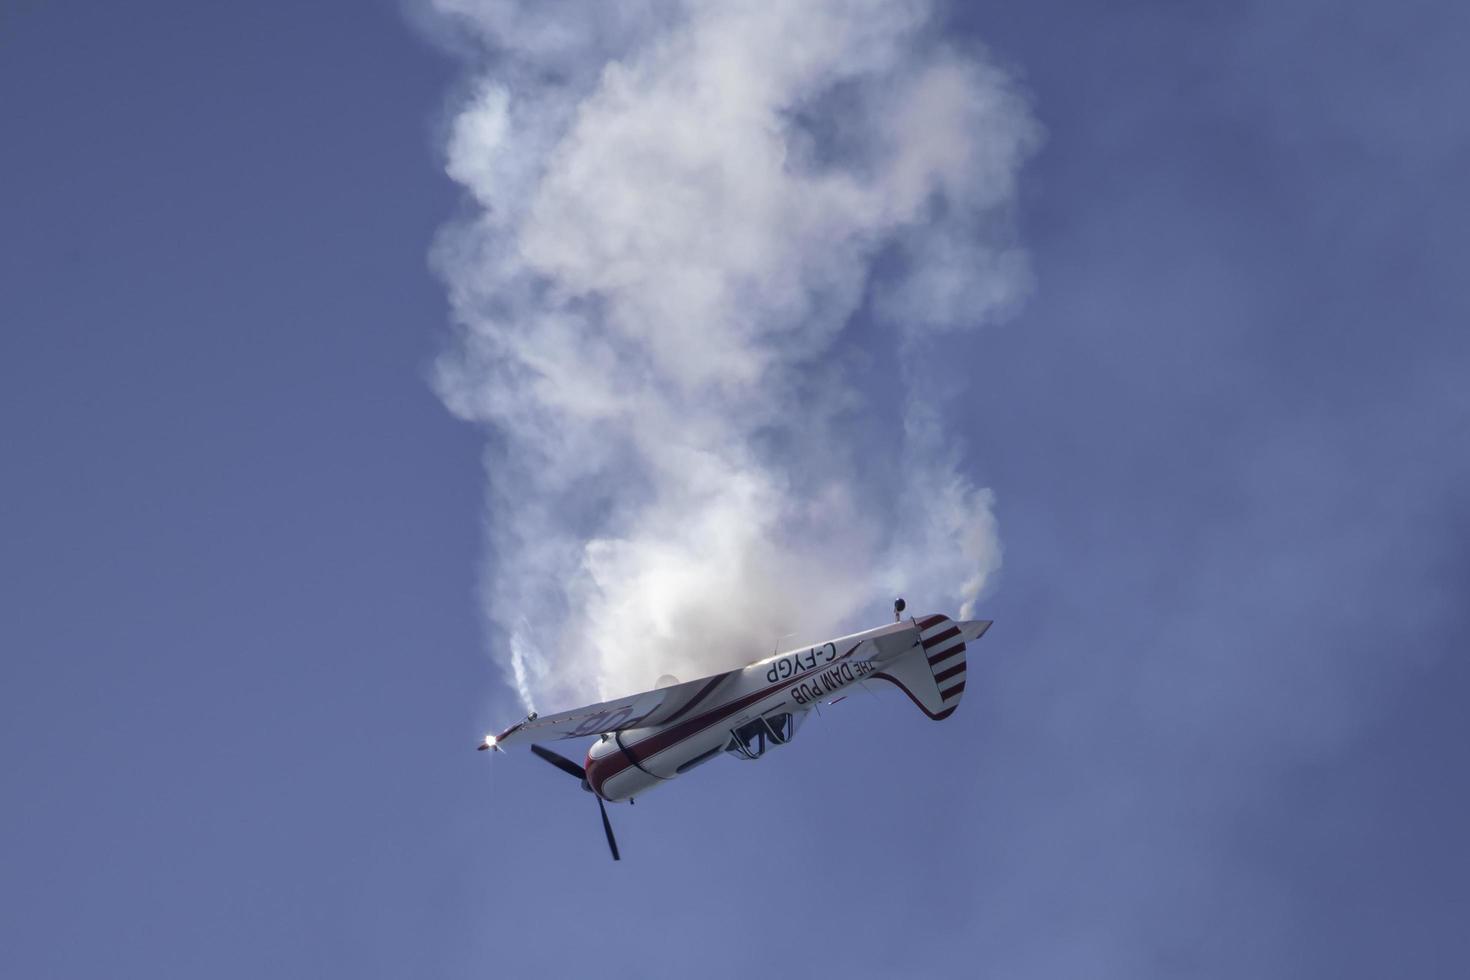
(933, 674)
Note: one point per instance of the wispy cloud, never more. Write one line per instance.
(681, 211)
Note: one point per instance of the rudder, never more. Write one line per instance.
(933, 674)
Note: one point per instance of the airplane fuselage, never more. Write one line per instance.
(737, 708)
(649, 738)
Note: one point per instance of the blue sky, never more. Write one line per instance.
(1217, 730)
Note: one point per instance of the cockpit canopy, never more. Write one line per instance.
(751, 740)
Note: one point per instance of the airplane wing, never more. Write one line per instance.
(656, 707)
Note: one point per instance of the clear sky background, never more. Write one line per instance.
(1218, 730)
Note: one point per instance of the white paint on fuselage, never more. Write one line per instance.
(797, 681)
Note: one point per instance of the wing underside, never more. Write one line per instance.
(657, 707)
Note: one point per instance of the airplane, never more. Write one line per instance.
(645, 740)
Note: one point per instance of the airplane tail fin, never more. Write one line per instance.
(933, 674)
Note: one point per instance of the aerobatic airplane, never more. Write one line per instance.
(645, 740)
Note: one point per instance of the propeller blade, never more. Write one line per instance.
(571, 768)
(612, 842)
(560, 761)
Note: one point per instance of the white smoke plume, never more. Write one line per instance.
(709, 240)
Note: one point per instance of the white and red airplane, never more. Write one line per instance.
(645, 740)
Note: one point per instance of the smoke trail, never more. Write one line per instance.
(708, 239)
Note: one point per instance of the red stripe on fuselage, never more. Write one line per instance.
(601, 770)
(703, 693)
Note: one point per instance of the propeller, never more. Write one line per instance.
(572, 769)
(560, 761)
(612, 842)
